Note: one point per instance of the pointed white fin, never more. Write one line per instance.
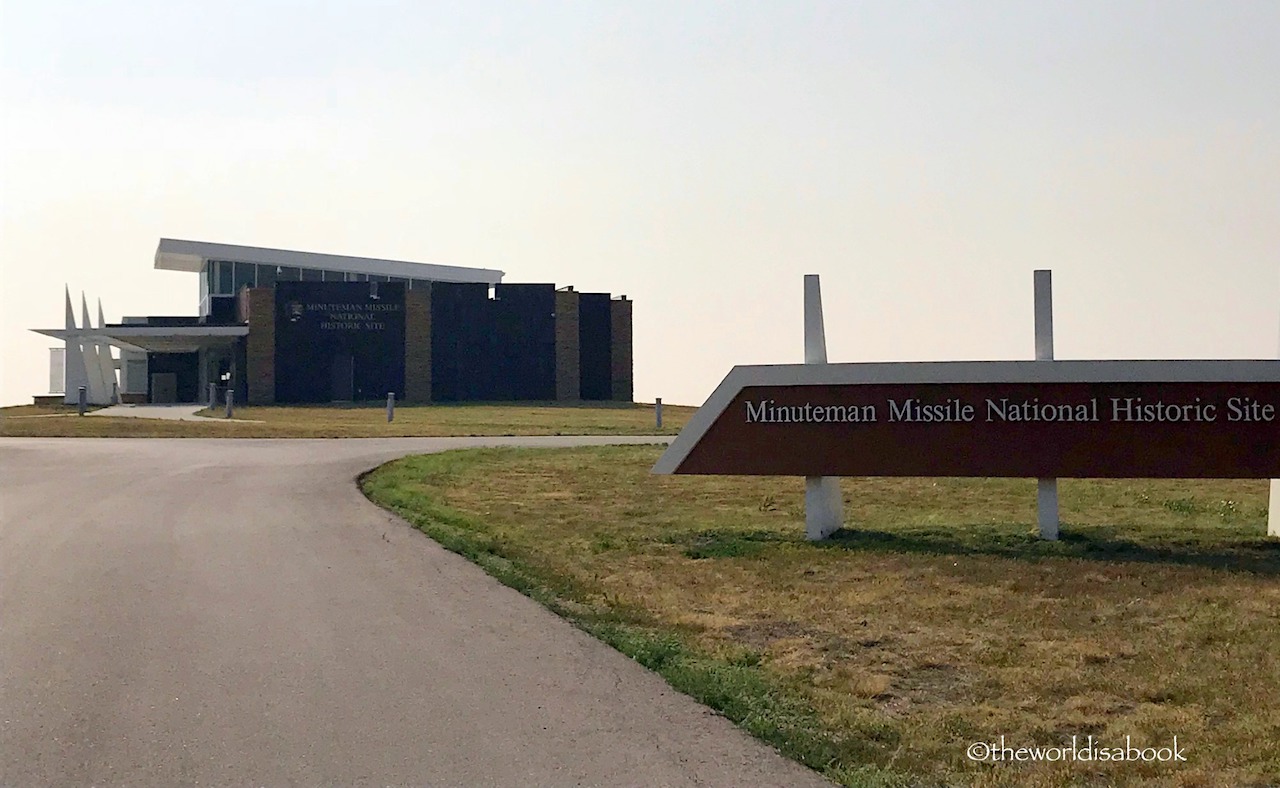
(93, 364)
(77, 373)
(107, 361)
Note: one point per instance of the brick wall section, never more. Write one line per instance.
(417, 344)
(259, 310)
(621, 378)
(568, 384)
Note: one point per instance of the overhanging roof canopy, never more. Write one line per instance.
(154, 339)
(178, 255)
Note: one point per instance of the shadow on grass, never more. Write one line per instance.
(729, 543)
(1254, 556)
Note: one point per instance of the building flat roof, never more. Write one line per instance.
(175, 254)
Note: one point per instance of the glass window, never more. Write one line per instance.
(312, 275)
(205, 277)
(246, 276)
(226, 278)
(286, 274)
(266, 276)
(397, 279)
(376, 278)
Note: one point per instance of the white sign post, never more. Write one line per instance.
(1046, 489)
(823, 503)
(1044, 419)
(1273, 523)
(1273, 510)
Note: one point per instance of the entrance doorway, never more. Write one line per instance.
(342, 378)
(173, 377)
(164, 387)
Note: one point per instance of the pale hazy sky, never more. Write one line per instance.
(699, 157)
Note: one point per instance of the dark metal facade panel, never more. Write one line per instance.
(453, 343)
(524, 342)
(595, 346)
(318, 322)
(461, 342)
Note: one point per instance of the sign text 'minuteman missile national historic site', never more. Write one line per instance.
(1116, 419)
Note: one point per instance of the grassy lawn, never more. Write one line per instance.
(361, 421)
(939, 620)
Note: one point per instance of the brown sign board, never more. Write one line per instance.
(1044, 419)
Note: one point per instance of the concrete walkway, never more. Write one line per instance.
(235, 612)
(180, 412)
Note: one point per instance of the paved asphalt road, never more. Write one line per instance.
(221, 612)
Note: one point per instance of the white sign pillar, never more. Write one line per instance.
(1273, 516)
(1273, 519)
(1046, 489)
(823, 503)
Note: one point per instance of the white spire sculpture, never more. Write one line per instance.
(77, 374)
(93, 366)
(106, 360)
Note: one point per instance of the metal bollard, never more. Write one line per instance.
(82, 400)
(657, 411)
(231, 399)
(391, 406)
(213, 396)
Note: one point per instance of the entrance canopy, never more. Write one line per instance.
(153, 339)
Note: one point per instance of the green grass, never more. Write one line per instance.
(935, 620)
(361, 421)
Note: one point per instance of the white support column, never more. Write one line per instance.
(1046, 489)
(823, 503)
(77, 373)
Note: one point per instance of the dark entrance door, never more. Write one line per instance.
(342, 378)
(174, 377)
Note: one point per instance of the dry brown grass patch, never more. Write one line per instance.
(938, 618)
